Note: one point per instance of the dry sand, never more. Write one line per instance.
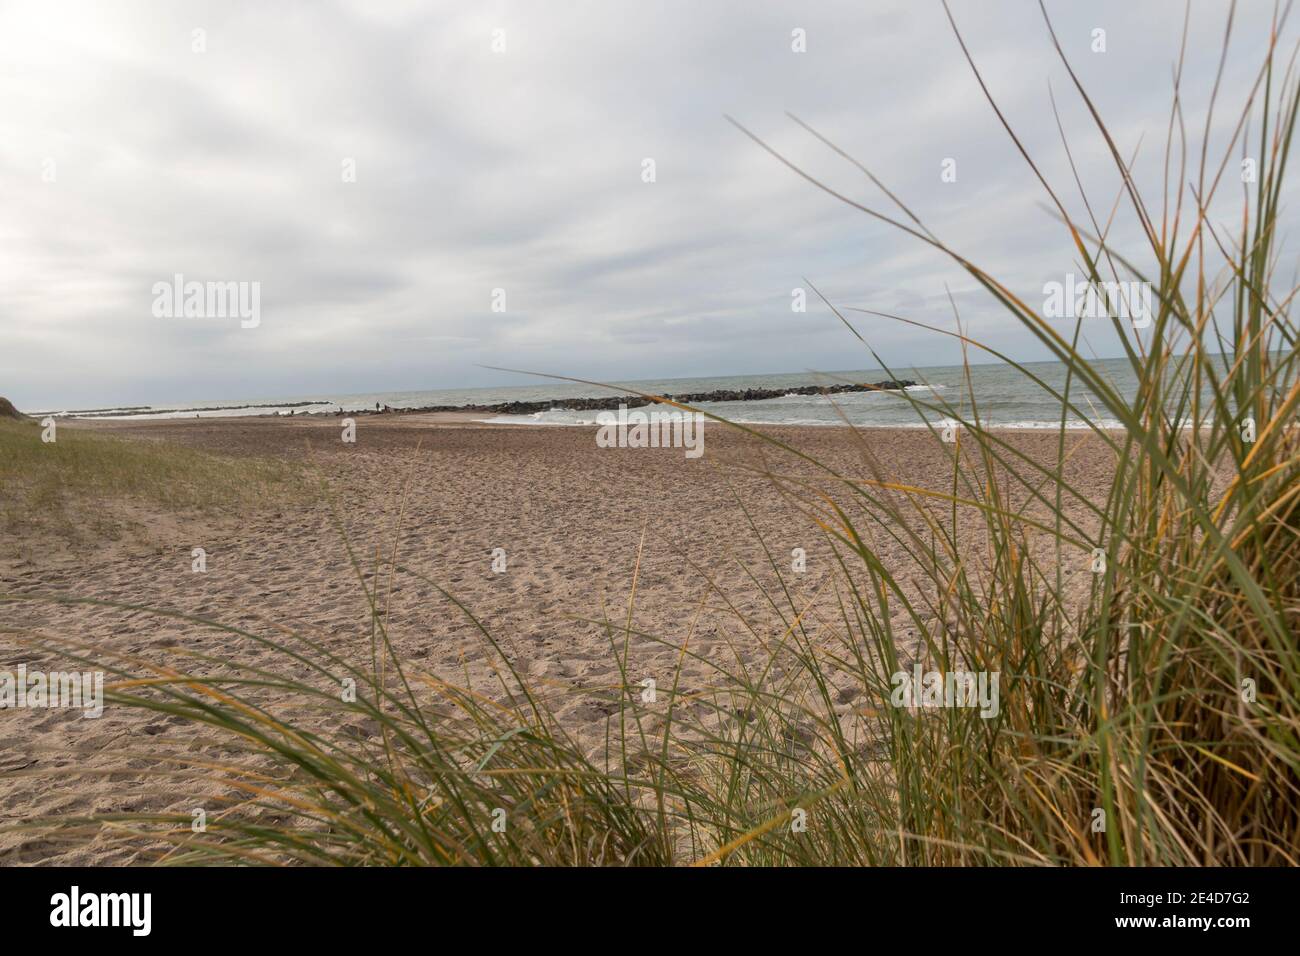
(574, 521)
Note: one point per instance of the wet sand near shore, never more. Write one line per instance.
(578, 525)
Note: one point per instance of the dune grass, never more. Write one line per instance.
(1150, 718)
(75, 484)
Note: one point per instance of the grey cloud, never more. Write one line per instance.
(522, 170)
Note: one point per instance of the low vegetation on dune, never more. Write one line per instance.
(86, 485)
(1152, 718)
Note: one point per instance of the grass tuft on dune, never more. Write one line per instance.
(85, 482)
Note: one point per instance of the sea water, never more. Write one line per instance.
(999, 394)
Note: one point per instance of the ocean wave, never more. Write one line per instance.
(533, 419)
(1019, 424)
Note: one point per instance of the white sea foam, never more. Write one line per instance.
(533, 419)
(1070, 425)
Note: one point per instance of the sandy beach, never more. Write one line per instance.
(578, 524)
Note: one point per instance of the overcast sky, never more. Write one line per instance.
(126, 157)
